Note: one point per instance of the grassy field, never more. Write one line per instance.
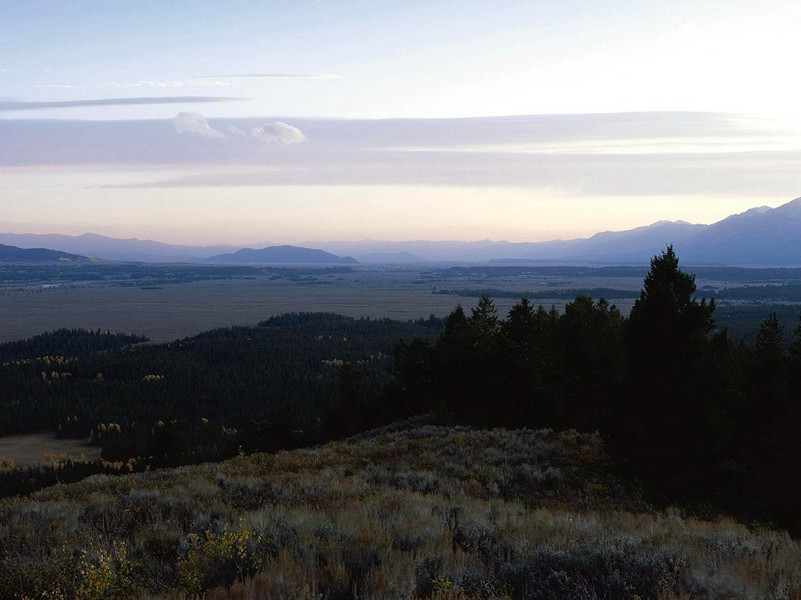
(403, 512)
(39, 448)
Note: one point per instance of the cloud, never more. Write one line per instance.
(233, 130)
(271, 76)
(584, 154)
(278, 133)
(142, 83)
(189, 122)
(6, 106)
(197, 81)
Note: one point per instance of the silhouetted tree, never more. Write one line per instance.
(667, 338)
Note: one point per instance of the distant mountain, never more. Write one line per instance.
(633, 246)
(444, 251)
(109, 248)
(761, 236)
(282, 255)
(389, 258)
(37, 255)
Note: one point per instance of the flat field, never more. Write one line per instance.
(31, 448)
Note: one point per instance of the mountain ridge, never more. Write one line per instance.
(761, 236)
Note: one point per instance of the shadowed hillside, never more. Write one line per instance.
(424, 511)
(13, 254)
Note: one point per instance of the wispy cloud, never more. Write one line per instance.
(7, 70)
(198, 81)
(13, 105)
(247, 76)
(188, 122)
(137, 84)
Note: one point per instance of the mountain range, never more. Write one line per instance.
(761, 236)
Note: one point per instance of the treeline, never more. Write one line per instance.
(774, 293)
(688, 412)
(788, 292)
(66, 343)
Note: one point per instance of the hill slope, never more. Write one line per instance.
(282, 255)
(37, 255)
(428, 512)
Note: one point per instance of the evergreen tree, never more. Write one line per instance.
(485, 316)
(770, 339)
(795, 347)
(664, 427)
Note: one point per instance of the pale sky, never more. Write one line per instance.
(240, 121)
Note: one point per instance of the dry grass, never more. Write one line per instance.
(426, 512)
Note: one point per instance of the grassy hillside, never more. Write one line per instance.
(403, 512)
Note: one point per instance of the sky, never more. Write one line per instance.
(242, 121)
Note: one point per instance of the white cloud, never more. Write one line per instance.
(188, 122)
(233, 130)
(278, 133)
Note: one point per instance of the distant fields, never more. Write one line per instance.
(165, 303)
